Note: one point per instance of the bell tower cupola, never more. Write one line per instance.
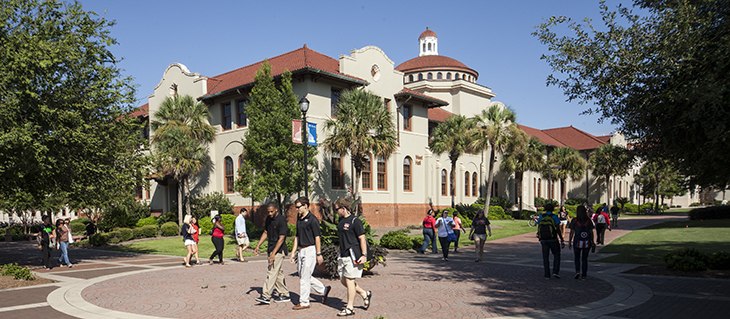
(428, 43)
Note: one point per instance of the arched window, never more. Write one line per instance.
(534, 187)
(466, 184)
(407, 174)
(420, 76)
(367, 173)
(456, 76)
(539, 187)
(429, 46)
(430, 76)
(337, 173)
(382, 174)
(424, 48)
(228, 171)
(448, 76)
(474, 184)
(410, 78)
(495, 189)
(443, 182)
(438, 76)
(619, 189)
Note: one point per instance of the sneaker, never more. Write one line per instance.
(282, 299)
(263, 299)
(583, 278)
(326, 293)
(547, 278)
(577, 275)
(556, 276)
(70, 265)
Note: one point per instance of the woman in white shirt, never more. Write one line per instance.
(445, 225)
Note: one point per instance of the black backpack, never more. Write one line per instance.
(583, 234)
(547, 229)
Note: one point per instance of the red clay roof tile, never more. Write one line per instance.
(420, 96)
(438, 114)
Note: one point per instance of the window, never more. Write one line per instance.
(382, 174)
(334, 101)
(495, 189)
(466, 184)
(539, 187)
(410, 78)
(147, 192)
(420, 76)
(430, 76)
(138, 192)
(407, 117)
(386, 104)
(619, 189)
(438, 76)
(456, 76)
(367, 173)
(228, 171)
(407, 174)
(226, 122)
(474, 184)
(337, 176)
(448, 76)
(241, 112)
(443, 182)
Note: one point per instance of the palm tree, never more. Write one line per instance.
(570, 165)
(181, 136)
(362, 126)
(521, 156)
(609, 160)
(452, 137)
(495, 129)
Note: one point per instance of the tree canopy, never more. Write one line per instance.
(661, 75)
(64, 133)
(452, 137)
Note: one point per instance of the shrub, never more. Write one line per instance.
(719, 260)
(152, 220)
(125, 214)
(169, 229)
(540, 202)
(417, 242)
(148, 231)
(99, 239)
(170, 216)
(694, 204)
(689, 259)
(82, 243)
(469, 210)
(125, 234)
(82, 220)
(527, 213)
(291, 229)
(16, 271)
(496, 212)
(201, 206)
(78, 228)
(396, 240)
(712, 212)
(575, 201)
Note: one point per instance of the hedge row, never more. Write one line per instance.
(712, 212)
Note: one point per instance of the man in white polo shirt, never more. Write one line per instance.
(241, 235)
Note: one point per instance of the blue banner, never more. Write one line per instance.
(312, 134)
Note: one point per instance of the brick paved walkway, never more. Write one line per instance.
(509, 283)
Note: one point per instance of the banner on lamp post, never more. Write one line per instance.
(296, 132)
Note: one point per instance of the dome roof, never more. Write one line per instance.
(432, 62)
(427, 33)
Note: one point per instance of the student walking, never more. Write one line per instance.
(241, 235)
(581, 240)
(196, 237)
(353, 255)
(217, 239)
(310, 254)
(45, 235)
(429, 232)
(187, 233)
(548, 233)
(62, 241)
(457, 230)
(478, 233)
(600, 218)
(445, 225)
(275, 231)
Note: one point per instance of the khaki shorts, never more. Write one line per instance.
(348, 269)
(242, 241)
(481, 237)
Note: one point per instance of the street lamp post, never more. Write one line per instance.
(304, 107)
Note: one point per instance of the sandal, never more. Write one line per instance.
(346, 312)
(366, 300)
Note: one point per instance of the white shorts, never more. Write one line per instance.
(348, 269)
(242, 241)
(564, 222)
(189, 242)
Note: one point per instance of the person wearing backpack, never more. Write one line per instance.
(600, 218)
(548, 234)
(581, 240)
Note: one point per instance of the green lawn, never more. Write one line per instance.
(650, 244)
(174, 246)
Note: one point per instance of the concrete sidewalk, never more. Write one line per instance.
(509, 283)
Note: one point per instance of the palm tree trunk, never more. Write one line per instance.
(180, 184)
(452, 187)
(187, 197)
(608, 189)
(488, 196)
(518, 178)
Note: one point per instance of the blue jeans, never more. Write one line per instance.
(554, 247)
(428, 238)
(581, 260)
(64, 253)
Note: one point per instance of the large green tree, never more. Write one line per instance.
(452, 137)
(569, 165)
(660, 179)
(610, 160)
(181, 137)
(273, 164)
(662, 75)
(64, 135)
(495, 129)
(522, 155)
(361, 126)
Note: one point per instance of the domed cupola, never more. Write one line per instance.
(428, 42)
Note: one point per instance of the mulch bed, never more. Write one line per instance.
(7, 282)
(662, 270)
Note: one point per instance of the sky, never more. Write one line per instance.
(492, 37)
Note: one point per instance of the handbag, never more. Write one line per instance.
(451, 237)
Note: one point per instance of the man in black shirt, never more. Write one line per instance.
(353, 254)
(310, 254)
(44, 241)
(275, 230)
